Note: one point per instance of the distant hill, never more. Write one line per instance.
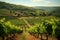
(20, 10)
(47, 8)
(51, 10)
(14, 7)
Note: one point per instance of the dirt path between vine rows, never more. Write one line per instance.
(28, 24)
(26, 36)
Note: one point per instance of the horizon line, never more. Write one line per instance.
(32, 5)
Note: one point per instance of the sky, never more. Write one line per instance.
(34, 2)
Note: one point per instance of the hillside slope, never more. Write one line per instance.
(52, 10)
(19, 10)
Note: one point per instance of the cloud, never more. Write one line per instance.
(36, 0)
(48, 2)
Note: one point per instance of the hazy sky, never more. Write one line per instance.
(34, 2)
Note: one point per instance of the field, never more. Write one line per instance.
(14, 20)
(28, 32)
(34, 22)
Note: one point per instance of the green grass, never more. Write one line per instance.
(34, 21)
(8, 17)
(4, 11)
(18, 22)
(14, 20)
